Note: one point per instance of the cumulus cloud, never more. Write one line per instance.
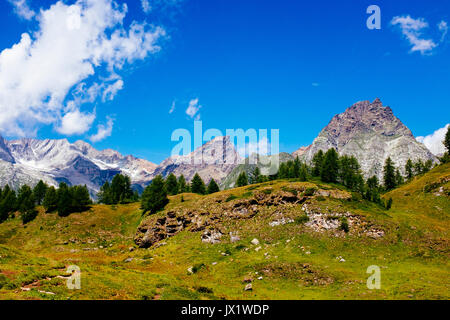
(102, 131)
(193, 108)
(412, 29)
(434, 141)
(172, 107)
(261, 147)
(22, 9)
(74, 57)
(76, 122)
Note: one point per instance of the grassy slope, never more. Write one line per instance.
(295, 263)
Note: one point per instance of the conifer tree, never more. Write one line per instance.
(197, 185)
(303, 173)
(447, 140)
(50, 201)
(182, 184)
(242, 180)
(64, 200)
(171, 184)
(39, 192)
(418, 167)
(317, 162)
(26, 204)
(80, 198)
(409, 169)
(213, 187)
(105, 195)
(330, 167)
(256, 176)
(389, 174)
(154, 197)
(296, 168)
(398, 178)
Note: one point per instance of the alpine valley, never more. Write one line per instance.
(368, 131)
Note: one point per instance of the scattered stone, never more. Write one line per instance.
(281, 221)
(248, 287)
(260, 278)
(234, 238)
(131, 249)
(255, 242)
(214, 263)
(308, 252)
(342, 260)
(258, 248)
(190, 270)
(211, 236)
(247, 280)
(128, 260)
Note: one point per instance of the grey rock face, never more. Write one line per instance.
(214, 160)
(371, 133)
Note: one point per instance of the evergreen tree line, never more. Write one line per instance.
(329, 167)
(154, 197)
(65, 200)
(118, 191)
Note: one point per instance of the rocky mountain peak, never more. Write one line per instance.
(371, 132)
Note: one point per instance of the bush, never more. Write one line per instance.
(309, 192)
(344, 225)
(389, 204)
(231, 197)
(301, 219)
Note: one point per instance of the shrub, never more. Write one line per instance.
(231, 197)
(389, 204)
(301, 219)
(344, 225)
(309, 192)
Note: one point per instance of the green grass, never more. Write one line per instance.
(294, 262)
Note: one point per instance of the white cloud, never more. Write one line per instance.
(434, 141)
(412, 30)
(443, 27)
(74, 57)
(76, 122)
(146, 7)
(22, 9)
(172, 107)
(110, 91)
(193, 108)
(103, 131)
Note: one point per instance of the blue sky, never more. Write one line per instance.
(287, 65)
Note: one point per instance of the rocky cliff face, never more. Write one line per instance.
(214, 160)
(30, 160)
(372, 133)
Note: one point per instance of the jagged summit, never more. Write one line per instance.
(371, 132)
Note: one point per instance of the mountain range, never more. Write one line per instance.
(367, 130)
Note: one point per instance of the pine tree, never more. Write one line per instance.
(80, 198)
(197, 185)
(39, 192)
(50, 201)
(398, 178)
(372, 190)
(105, 195)
(427, 166)
(26, 204)
(389, 174)
(447, 140)
(242, 180)
(303, 173)
(296, 168)
(256, 176)
(154, 197)
(64, 200)
(418, 167)
(182, 184)
(213, 187)
(171, 184)
(330, 168)
(8, 203)
(409, 169)
(317, 163)
(283, 171)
